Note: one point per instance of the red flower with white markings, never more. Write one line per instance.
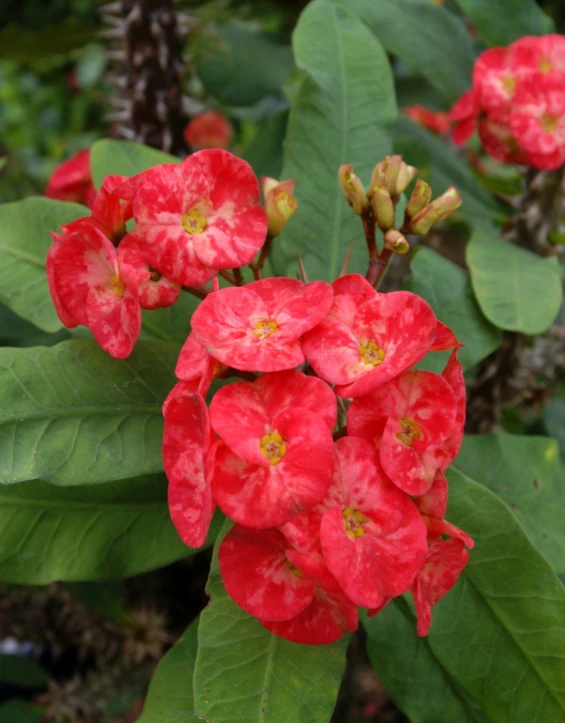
(72, 180)
(275, 457)
(198, 216)
(155, 290)
(257, 327)
(196, 365)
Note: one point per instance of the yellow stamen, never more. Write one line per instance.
(548, 123)
(370, 353)
(293, 569)
(265, 327)
(193, 222)
(509, 84)
(545, 65)
(273, 447)
(117, 286)
(353, 523)
(410, 431)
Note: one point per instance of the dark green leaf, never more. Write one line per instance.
(124, 158)
(15, 331)
(71, 414)
(503, 21)
(341, 114)
(527, 473)
(172, 323)
(170, 698)
(21, 711)
(516, 289)
(245, 673)
(446, 287)
(554, 420)
(23, 47)
(23, 672)
(264, 153)
(24, 242)
(103, 598)
(429, 38)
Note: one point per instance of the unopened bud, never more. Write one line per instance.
(437, 211)
(383, 208)
(396, 242)
(353, 189)
(394, 174)
(280, 203)
(420, 198)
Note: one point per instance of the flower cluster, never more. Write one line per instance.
(327, 517)
(517, 102)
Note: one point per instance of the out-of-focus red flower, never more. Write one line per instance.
(210, 129)
(72, 180)
(435, 121)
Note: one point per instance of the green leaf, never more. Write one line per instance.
(97, 532)
(21, 671)
(503, 21)
(123, 158)
(21, 711)
(264, 153)
(449, 169)
(499, 634)
(245, 673)
(527, 473)
(24, 242)
(103, 598)
(72, 415)
(554, 420)
(342, 113)
(446, 287)
(516, 289)
(170, 698)
(429, 38)
(239, 66)
(172, 323)
(24, 47)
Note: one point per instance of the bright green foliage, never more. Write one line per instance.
(245, 673)
(24, 242)
(342, 113)
(123, 158)
(501, 22)
(516, 289)
(498, 636)
(72, 415)
(170, 698)
(527, 473)
(447, 289)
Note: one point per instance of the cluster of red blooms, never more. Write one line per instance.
(327, 517)
(517, 102)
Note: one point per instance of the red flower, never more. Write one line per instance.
(498, 141)
(363, 344)
(495, 76)
(186, 441)
(545, 53)
(433, 505)
(208, 130)
(155, 291)
(373, 538)
(276, 454)
(408, 420)
(257, 327)
(199, 216)
(435, 121)
(196, 365)
(90, 285)
(537, 118)
(464, 114)
(72, 180)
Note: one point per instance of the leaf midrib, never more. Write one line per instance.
(42, 503)
(80, 412)
(23, 256)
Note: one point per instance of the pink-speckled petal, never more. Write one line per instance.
(233, 237)
(193, 359)
(445, 338)
(434, 501)
(333, 351)
(354, 284)
(51, 264)
(152, 294)
(258, 576)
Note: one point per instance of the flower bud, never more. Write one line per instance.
(437, 211)
(280, 203)
(420, 198)
(353, 189)
(383, 208)
(394, 174)
(396, 242)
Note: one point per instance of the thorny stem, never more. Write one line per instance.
(228, 277)
(238, 276)
(199, 291)
(377, 261)
(257, 267)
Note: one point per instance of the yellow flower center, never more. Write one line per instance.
(117, 286)
(370, 353)
(265, 327)
(509, 84)
(273, 447)
(545, 65)
(193, 222)
(286, 205)
(548, 123)
(409, 433)
(353, 522)
(293, 569)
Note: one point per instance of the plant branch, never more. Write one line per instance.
(257, 267)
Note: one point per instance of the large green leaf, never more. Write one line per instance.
(342, 113)
(172, 323)
(123, 158)
(170, 698)
(503, 21)
(499, 635)
(71, 414)
(21, 711)
(21, 671)
(24, 242)
(95, 532)
(239, 66)
(430, 39)
(447, 289)
(516, 289)
(245, 673)
(527, 473)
